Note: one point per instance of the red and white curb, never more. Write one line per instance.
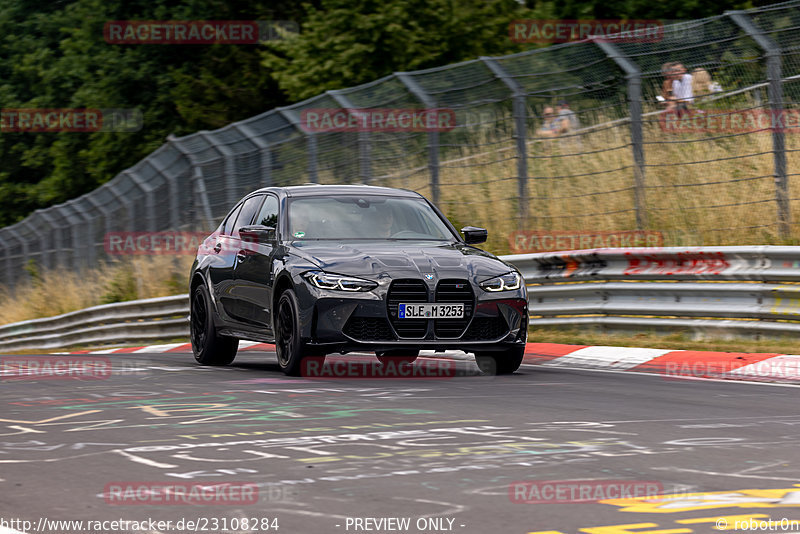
(678, 364)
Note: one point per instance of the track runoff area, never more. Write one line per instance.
(580, 439)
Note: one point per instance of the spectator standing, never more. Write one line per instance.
(667, 71)
(682, 89)
(551, 125)
(568, 118)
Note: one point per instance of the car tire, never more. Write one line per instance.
(500, 363)
(289, 346)
(397, 356)
(209, 348)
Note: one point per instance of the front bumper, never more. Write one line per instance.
(366, 321)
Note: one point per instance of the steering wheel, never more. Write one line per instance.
(405, 233)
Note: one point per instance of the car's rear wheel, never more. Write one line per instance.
(500, 363)
(292, 352)
(209, 348)
(397, 356)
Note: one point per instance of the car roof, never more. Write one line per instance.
(327, 190)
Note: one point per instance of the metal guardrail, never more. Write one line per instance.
(712, 290)
(124, 322)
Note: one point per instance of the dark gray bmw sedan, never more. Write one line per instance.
(323, 269)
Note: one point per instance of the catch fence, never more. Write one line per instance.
(625, 166)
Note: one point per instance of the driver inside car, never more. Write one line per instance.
(379, 223)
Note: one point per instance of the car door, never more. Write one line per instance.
(220, 267)
(234, 303)
(253, 270)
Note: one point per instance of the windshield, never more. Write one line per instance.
(365, 217)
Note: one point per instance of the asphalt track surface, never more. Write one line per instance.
(323, 455)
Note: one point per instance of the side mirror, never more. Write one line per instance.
(474, 235)
(257, 233)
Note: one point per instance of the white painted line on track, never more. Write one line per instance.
(672, 378)
(158, 348)
(614, 357)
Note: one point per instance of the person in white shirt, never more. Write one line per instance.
(682, 89)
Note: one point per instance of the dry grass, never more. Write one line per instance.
(55, 292)
(699, 191)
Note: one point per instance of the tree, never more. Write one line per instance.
(345, 42)
(54, 56)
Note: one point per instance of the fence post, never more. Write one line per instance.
(7, 255)
(311, 141)
(88, 244)
(125, 202)
(198, 183)
(24, 257)
(106, 221)
(364, 146)
(634, 77)
(149, 202)
(174, 193)
(54, 251)
(231, 195)
(433, 137)
(40, 236)
(264, 151)
(68, 213)
(520, 134)
(775, 92)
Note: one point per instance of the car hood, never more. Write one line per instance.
(401, 259)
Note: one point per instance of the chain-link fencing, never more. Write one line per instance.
(698, 175)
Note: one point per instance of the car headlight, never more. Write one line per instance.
(338, 282)
(507, 282)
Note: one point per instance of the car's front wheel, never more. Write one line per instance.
(500, 363)
(290, 348)
(209, 348)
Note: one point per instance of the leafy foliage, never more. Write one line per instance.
(53, 55)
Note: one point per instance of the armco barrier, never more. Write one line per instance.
(713, 290)
(147, 319)
(708, 290)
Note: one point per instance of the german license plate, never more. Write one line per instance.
(431, 311)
